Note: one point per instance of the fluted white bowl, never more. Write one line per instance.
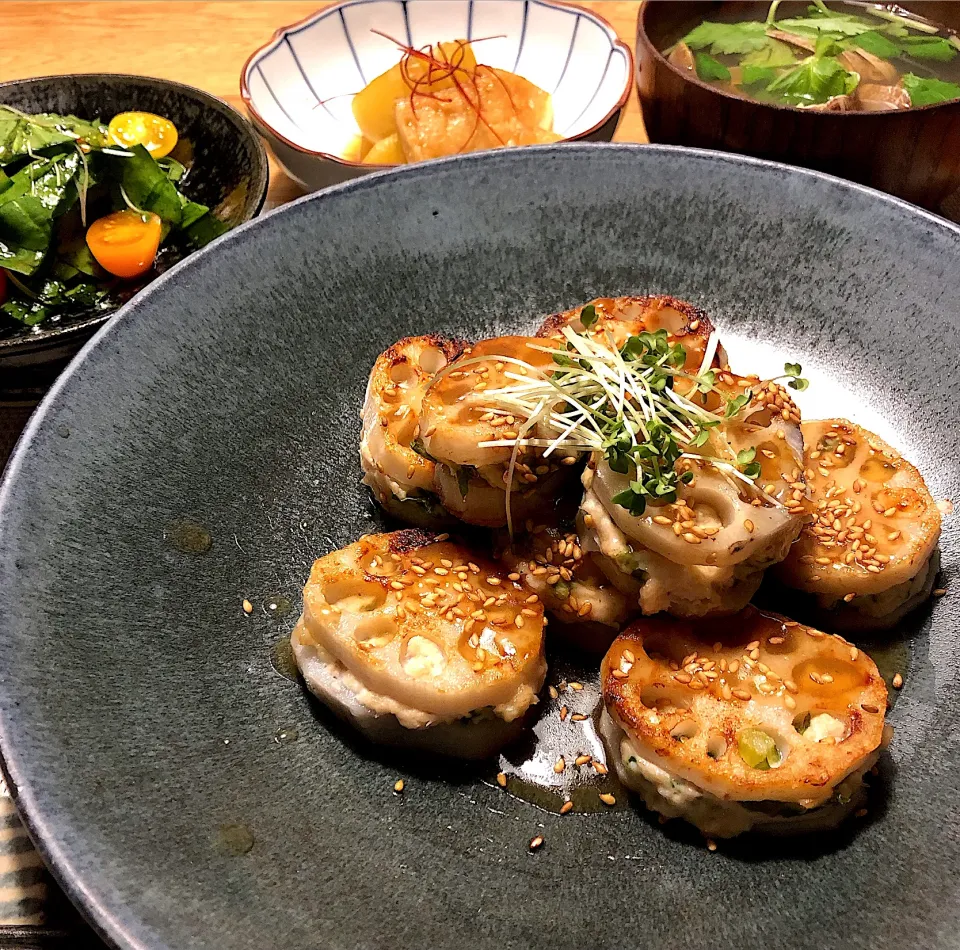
(299, 86)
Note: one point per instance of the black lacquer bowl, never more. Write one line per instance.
(228, 172)
(204, 450)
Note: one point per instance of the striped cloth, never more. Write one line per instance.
(23, 878)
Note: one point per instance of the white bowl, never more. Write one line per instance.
(298, 87)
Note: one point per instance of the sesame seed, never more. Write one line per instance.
(566, 807)
(940, 592)
(247, 607)
(607, 798)
(398, 785)
(711, 844)
(741, 694)
(599, 767)
(619, 674)
(749, 525)
(559, 765)
(897, 681)
(576, 687)
(563, 713)
(869, 707)
(789, 702)
(577, 717)
(582, 759)
(536, 843)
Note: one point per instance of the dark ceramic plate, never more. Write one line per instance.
(204, 450)
(228, 173)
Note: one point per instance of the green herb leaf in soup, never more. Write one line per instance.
(816, 79)
(709, 68)
(929, 47)
(927, 92)
(728, 37)
(756, 75)
(877, 44)
(775, 54)
(842, 25)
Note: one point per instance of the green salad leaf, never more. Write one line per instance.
(36, 195)
(728, 38)
(922, 91)
(28, 134)
(709, 68)
(205, 229)
(146, 185)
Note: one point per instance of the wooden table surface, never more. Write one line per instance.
(203, 44)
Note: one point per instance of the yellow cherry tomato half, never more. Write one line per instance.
(156, 134)
(125, 243)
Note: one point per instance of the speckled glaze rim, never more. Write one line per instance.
(691, 77)
(260, 179)
(258, 120)
(108, 921)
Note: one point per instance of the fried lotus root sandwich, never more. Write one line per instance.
(418, 642)
(471, 439)
(750, 722)
(705, 553)
(395, 465)
(585, 606)
(869, 555)
(622, 317)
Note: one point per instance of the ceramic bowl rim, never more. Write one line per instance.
(643, 39)
(260, 177)
(105, 917)
(260, 122)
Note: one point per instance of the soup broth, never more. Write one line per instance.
(837, 58)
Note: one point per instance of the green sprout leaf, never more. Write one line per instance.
(799, 384)
(792, 369)
(588, 316)
(736, 404)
